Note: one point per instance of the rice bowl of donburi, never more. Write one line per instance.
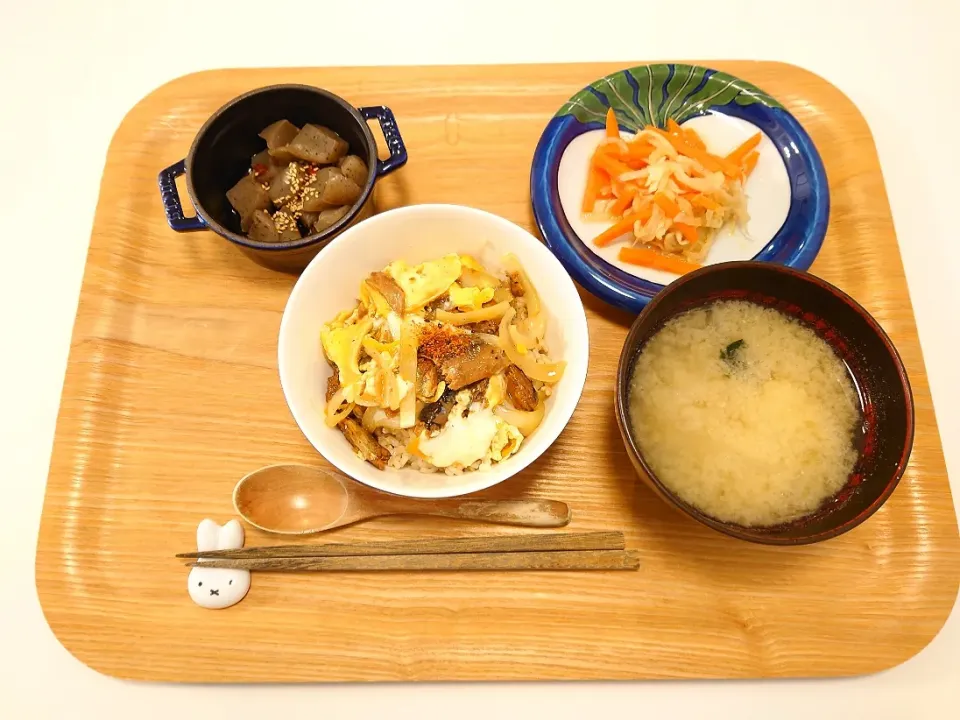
(433, 350)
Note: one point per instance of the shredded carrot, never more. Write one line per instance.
(708, 160)
(704, 202)
(660, 131)
(612, 130)
(632, 187)
(687, 135)
(669, 207)
(637, 155)
(688, 231)
(684, 187)
(693, 139)
(639, 149)
(622, 226)
(739, 155)
(623, 202)
(613, 166)
(653, 259)
(595, 180)
(607, 150)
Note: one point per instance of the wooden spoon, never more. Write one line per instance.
(300, 500)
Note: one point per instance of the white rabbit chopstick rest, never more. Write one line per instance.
(217, 588)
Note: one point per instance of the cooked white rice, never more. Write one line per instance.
(396, 442)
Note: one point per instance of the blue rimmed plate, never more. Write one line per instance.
(788, 198)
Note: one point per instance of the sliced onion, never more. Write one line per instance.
(655, 157)
(408, 373)
(688, 220)
(374, 418)
(648, 231)
(390, 392)
(662, 144)
(520, 341)
(544, 372)
(525, 422)
(332, 417)
(441, 388)
(529, 291)
(534, 327)
(529, 332)
(380, 385)
(709, 184)
(491, 312)
(502, 294)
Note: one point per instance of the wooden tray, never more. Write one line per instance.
(171, 394)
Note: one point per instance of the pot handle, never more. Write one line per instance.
(167, 180)
(388, 124)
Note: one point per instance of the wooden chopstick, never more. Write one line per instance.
(563, 560)
(430, 546)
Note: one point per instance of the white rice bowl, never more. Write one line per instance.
(417, 233)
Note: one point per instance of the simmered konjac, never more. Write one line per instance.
(302, 183)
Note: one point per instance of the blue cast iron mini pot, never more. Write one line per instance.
(220, 156)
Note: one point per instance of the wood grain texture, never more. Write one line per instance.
(302, 499)
(513, 561)
(171, 395)
(532, 542)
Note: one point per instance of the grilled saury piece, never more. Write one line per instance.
(365, 443)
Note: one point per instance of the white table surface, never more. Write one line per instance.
(70, 70)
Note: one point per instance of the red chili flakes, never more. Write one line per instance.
(438, 342)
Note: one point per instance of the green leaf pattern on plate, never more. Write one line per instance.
(650, 94)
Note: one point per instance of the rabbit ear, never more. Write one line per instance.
(231, 536)
(208, 533)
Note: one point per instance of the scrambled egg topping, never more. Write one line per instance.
(472, 432)
(424, 283)
(496, 391)
(470, 298)
(345, 335)
(342, 346)
(469, 261)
